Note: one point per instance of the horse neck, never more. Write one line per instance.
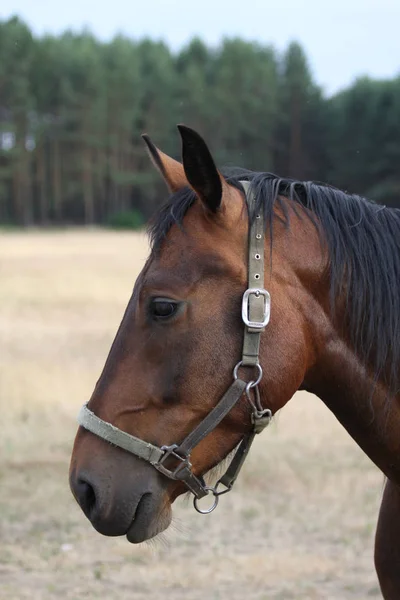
(362, 405)
(333, 371)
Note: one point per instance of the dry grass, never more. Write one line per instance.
(299, 525)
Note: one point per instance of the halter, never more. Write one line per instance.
(255, 315)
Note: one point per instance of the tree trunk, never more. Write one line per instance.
(42, 182)
(87, 184)
(57, 191)
(295, 157)
(21, 178)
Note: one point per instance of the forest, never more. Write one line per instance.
(72, 110)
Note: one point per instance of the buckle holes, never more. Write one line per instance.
(258, 236)
(257, 276)
(258, 216)
(257, 256)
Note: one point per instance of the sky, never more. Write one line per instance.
(343, 39)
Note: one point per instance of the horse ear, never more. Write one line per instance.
(171, 170)
(200, 169)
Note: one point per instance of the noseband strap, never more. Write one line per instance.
(117, 437)
(174, 461)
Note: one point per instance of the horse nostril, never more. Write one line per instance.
(86, 497)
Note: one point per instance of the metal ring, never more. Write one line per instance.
(256, 366)
(214, 505)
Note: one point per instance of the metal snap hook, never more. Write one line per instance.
(206, 511)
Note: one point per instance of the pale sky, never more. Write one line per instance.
(343, 39)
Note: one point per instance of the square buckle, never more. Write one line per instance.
(170, 451)
(246, 307)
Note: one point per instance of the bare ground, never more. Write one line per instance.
(299, 525)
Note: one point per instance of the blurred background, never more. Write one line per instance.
(307, 90)
(302, 91)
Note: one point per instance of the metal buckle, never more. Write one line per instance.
(170, 451)
(245, 308)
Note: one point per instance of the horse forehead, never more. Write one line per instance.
(188, 267)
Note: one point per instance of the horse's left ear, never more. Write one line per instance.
(170, 169)
(200, 169)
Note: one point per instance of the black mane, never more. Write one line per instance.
(363, 240)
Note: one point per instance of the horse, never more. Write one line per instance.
(205, 355)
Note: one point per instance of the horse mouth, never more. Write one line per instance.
(146, 524)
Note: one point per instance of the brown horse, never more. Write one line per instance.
(333, 276)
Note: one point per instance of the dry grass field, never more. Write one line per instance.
(299, 525)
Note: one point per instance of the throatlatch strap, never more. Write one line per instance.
(251, 340)
(210, 422)
(113, 435)
(232, 472)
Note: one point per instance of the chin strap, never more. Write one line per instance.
(255, 315)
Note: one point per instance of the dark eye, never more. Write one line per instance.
(163, 308)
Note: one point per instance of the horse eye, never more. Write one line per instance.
(162, 308)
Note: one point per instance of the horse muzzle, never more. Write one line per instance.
(121, 495)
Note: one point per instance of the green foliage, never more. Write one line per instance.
(128, 219)
(299, 142)
(74, 109)
(365, 139)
